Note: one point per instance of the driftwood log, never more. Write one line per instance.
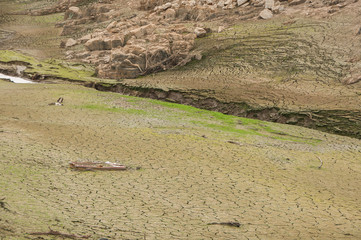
(231, 224)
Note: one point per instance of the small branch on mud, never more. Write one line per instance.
(319, 167)
(233, 142)
(3, 205)
(56, 233)
(231, 224)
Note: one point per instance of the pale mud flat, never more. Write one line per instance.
(269, 182)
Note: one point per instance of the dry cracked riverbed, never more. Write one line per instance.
(197, 167)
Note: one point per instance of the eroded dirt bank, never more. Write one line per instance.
(341, 122)
(197, 167)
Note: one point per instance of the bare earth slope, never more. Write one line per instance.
(300, 67)
(197, 167)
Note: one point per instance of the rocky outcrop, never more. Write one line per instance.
(155, 39)
(134, 52)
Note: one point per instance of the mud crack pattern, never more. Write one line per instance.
(191, 174)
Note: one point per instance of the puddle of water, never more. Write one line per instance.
(15, 79)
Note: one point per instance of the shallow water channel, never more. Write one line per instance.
(15, 79)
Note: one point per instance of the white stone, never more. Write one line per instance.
(266, 14)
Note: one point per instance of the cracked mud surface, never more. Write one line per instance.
(198, 167)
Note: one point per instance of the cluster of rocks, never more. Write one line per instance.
(157, 38)
(202, 9)
(127, 49)
(152, 41)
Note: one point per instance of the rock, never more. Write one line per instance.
(220, 4)
(170, 13)
(200, 32)
(69, 55)
(258, 3)
(134, 49)
(276, 8)
(163, 7)
(111, 25)
(269, 4)
(72, 13)
(117, 41)
(85, 38)
(221, 29)
(231, 6)
(97, 44)
(142, 31)
(241, 2)
(266, 14)
(70, 42)
(192, 3)
(296, 2)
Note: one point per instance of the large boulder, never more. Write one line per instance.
(97, 44)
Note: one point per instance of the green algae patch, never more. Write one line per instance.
(196, 111)
(52, 68)
(113, 109)
(232, 124)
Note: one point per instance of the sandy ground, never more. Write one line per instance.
(190, 174)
